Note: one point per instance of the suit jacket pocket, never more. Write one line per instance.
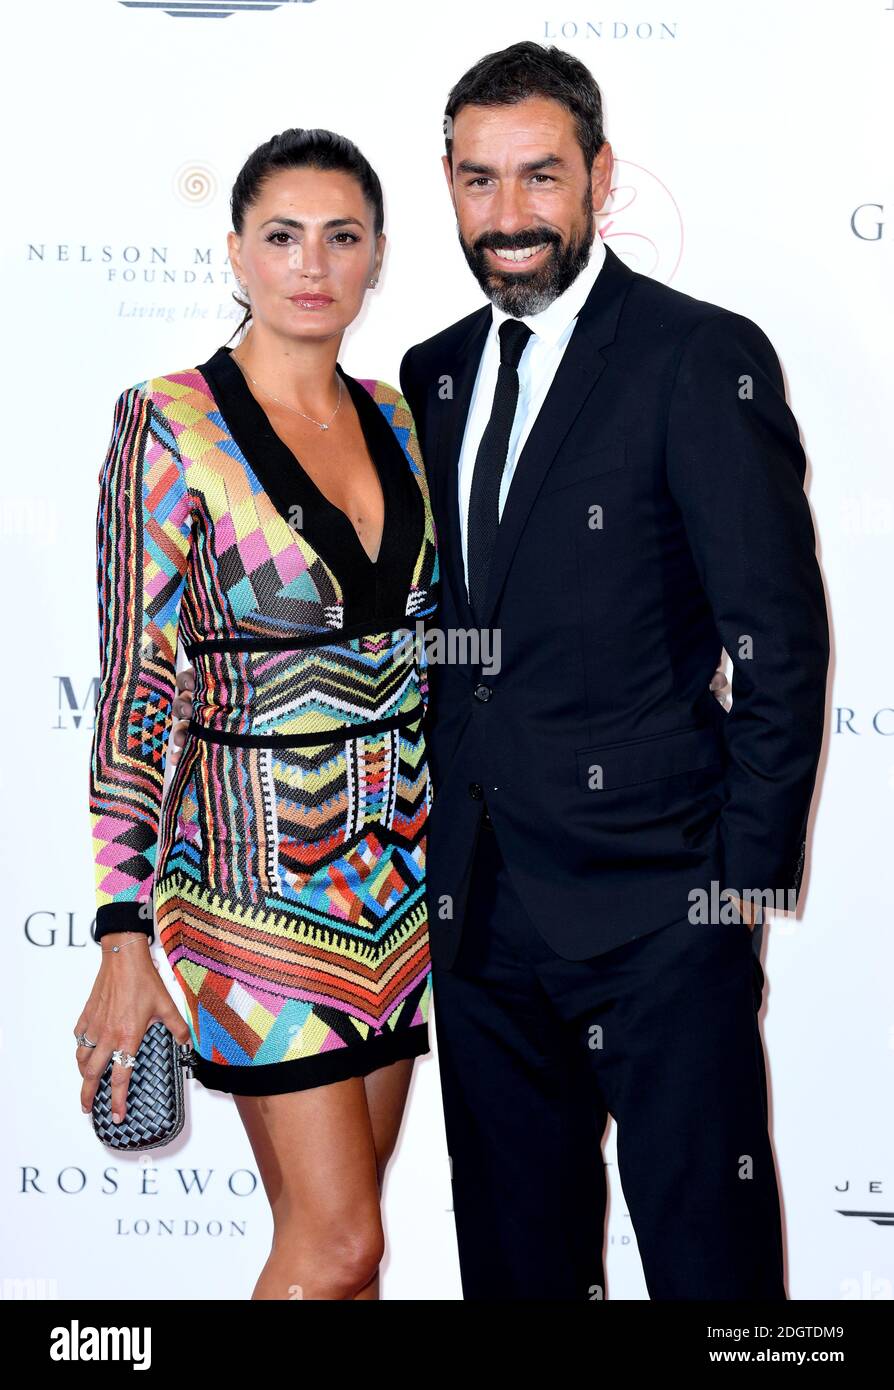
(580, 466)
(605, 767)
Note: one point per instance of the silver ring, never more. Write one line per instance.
(125, 1059)
(83, 1040)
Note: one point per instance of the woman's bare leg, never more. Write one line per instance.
(322, 1154)
(386, 1095)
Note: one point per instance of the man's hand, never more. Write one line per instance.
(186, 684)
(747, 911)
(182, 711)
(720, 686)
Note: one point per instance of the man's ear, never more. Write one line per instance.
(448, 174)
(601, 180)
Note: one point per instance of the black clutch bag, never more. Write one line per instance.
(155, 1109)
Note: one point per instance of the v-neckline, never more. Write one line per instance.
(375, 587)
(296, 462)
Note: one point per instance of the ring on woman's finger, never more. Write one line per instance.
(125, 1058)
(83, 1040)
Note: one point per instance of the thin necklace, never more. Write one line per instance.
(285, 404)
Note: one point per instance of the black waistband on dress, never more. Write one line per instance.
(337, 735)
(296, 643)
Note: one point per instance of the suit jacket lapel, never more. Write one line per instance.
(576, 377)
(453, 415)
(575, 380)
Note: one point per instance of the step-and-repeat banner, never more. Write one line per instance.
(753, 170)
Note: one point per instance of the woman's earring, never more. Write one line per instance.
(372, 284)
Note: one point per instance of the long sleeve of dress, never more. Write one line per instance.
(143, 532)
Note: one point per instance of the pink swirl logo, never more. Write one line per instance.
(642, 222)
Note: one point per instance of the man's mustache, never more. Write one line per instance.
(495, 241)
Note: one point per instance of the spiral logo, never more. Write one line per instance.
(642, 222)
(195, 184)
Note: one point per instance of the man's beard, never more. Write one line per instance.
(519, 293)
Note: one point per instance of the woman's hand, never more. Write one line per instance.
(127, 996)
(182, 711)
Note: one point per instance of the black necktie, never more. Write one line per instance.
(484, 518)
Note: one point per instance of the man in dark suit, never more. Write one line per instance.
(618, 491)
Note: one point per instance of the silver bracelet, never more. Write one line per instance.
(113, 950)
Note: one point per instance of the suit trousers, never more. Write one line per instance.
(536, 1051)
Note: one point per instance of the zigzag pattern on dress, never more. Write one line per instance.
(288, 878)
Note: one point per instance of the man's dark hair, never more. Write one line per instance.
(530, 69)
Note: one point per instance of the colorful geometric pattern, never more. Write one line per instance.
(287, 865)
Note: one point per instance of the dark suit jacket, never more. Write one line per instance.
(656, 516)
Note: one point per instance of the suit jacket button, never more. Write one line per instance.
(476, 791)
(483, 692)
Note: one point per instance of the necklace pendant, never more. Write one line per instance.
(324, 427)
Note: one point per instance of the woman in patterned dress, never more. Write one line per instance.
(272, 512)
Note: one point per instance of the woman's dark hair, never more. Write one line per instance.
(530, 69)
(301, 149)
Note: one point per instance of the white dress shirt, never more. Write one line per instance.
(550, 332)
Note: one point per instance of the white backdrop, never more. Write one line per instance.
(753, 149)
